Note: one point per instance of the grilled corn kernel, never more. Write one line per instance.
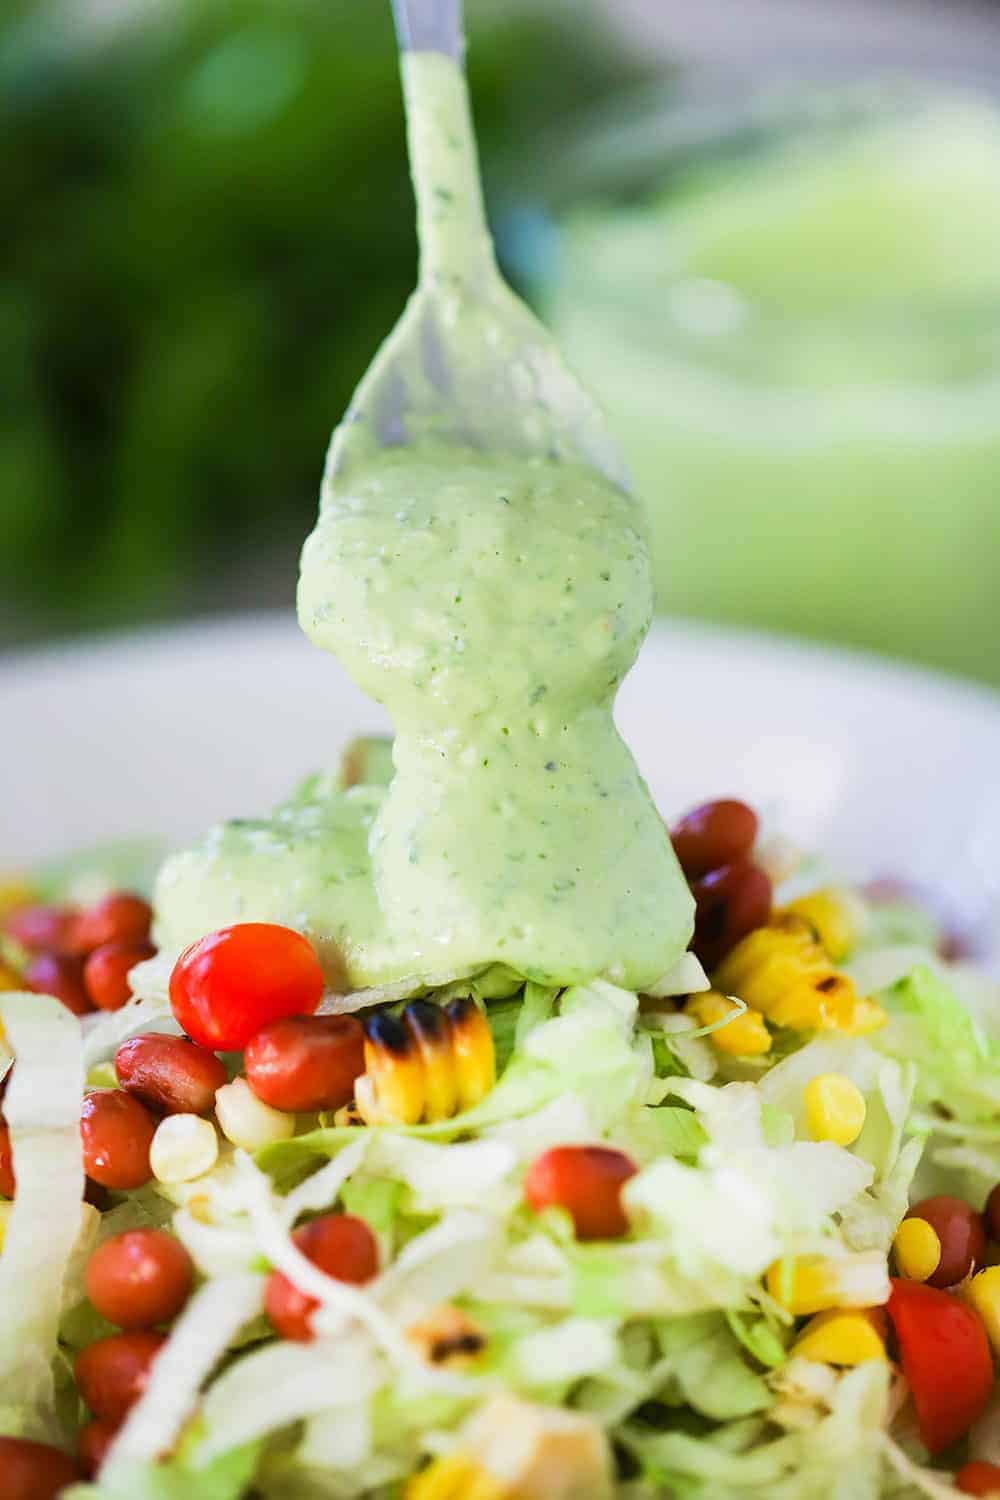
(840, 1338)
(782, 971)
(348, 1115)
(447, 1337)
(246, 1120)
(807, 1284)
(837, 917)
(429, 1028)
(472, 1042)
(10, 979)
(917, 1249)
(835, 1108)
(184, 1147)
(982, 1291)
(427, 1064)
(5, 1212)
(456, 1477)
(744, 1036)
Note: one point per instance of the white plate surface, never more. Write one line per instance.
(885, 769)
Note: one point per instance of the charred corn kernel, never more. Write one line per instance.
(456, 1477)
(472, 1042)
(807, 1284)
(837, 917)
(5, 1212)
(246, 1120)
(427, 1064)
(917, 1249)
(744, 1036)
(782, 971)
(428, 1025)
(982, 1292)
(447, 1337)
(835, 1108)
(840, 1338)
(184, 1147)
(394, 1070)
(348, 1115)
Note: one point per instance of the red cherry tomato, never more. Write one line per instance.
(729, 903)
(105, 972)
(587, 1181)
(170, 1074)
(44, 929)
(946, 1359)
(33, 1471)
(991, 1214)
(228, 985)
(978, 1479)
(304, 1063)
(139, 1278)
(117, 1132)
(960, 1231)
(93, 1443)
(7, 1181)
(112, 1374)
(56, 974)
(339, 1244)
(121, 917)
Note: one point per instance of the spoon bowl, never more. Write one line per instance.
(468, 365)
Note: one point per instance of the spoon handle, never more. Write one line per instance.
(429, 26)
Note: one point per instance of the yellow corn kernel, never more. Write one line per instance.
(5, 1211)
(837, 1337)
(782, 971)
(982, 1291)
(10, 979)
(472, 1043)
(807, 1284)
(837, 917)
(835, 1108)
(744, 1036)
(917, 1249)
(429, 1028)
(394, 1070)
(350, 1114)
(448, 1337)
(456, 1477)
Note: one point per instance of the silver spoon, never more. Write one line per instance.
(467, 364)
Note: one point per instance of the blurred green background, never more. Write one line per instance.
(207, 228)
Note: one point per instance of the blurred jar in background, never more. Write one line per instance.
(793, 319)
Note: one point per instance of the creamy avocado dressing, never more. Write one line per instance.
(493, 603)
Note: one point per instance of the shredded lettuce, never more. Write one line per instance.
(42, 1109)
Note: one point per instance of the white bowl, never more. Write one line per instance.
(885, 769)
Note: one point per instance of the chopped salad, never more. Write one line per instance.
(733, 1239)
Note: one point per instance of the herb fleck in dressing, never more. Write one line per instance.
(493, 603)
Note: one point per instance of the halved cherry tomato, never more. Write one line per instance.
(304, 1063)
(341, 1245)
(978, 1479)
(112, 1374)
(587, 1181)
(139, 1278)
(33, 1471)
(946, 1359)
(228, 985)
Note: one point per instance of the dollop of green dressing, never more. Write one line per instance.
(493, 603)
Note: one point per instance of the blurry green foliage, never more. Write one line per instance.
(207, 227)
